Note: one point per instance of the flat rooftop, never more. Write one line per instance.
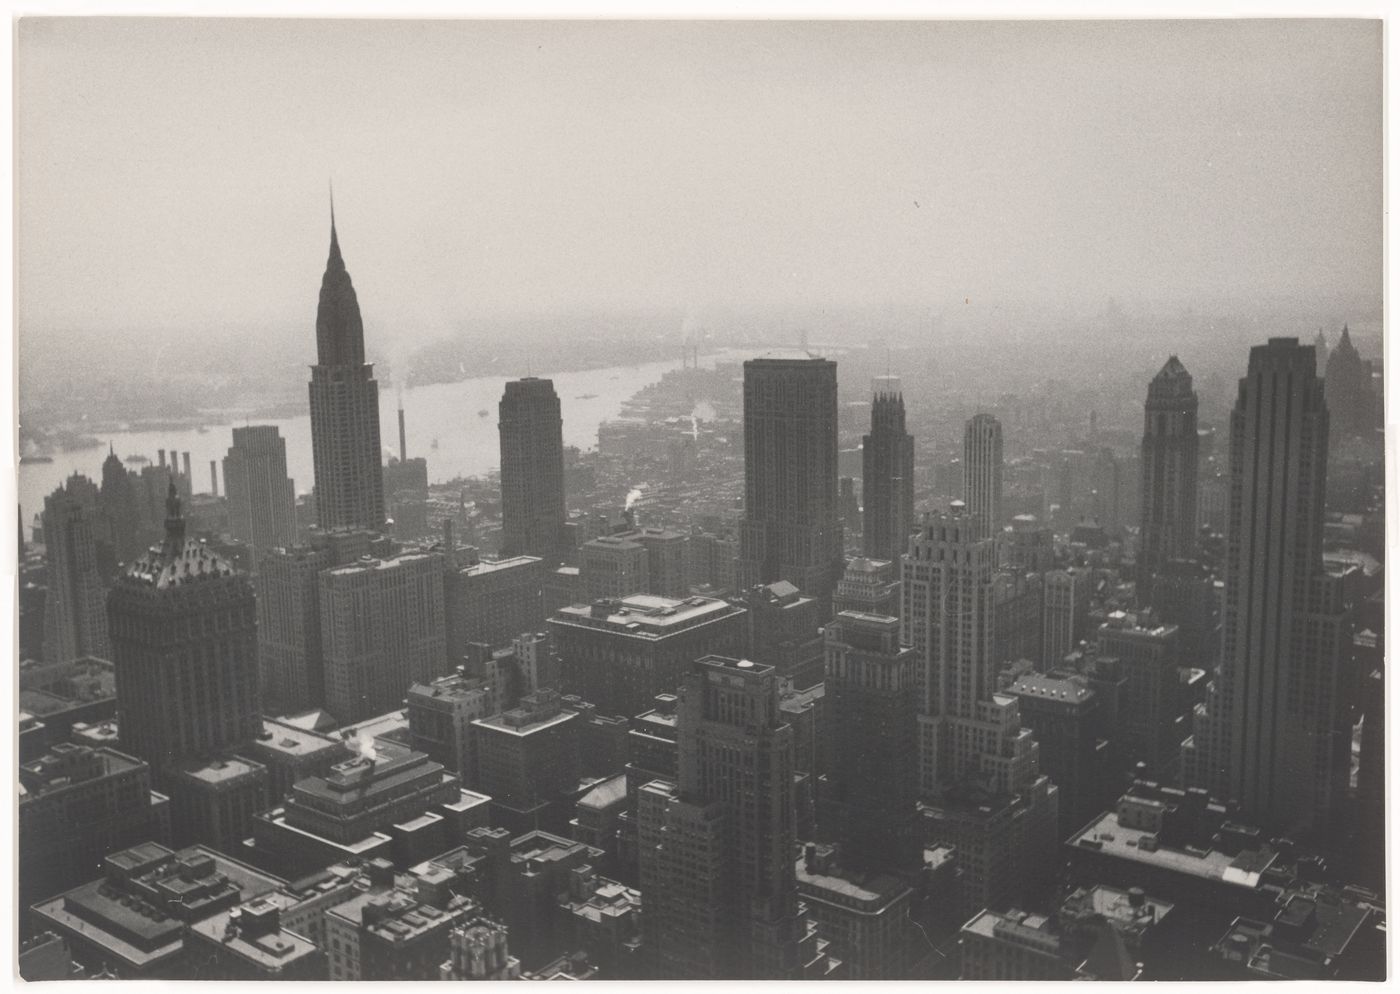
(220, 771)
(292, 740)
(1051, 688)
(488, 566)
(645, 615)
(1107, 835)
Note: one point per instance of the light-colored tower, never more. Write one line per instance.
(261, 499)
(75, 617)
(1272, 734)
(887, 479)
(982, 472)
(532, 470)
(345, 442)
(791, 529)
(1169, 459)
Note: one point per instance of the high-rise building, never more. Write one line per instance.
(887, 478)
(532, 470)
(345, 441)
(717, 848)
(1349, 397)
(120, 506)
(1170, 451)
(982, 468)
(383, 627)
(1066, 613)
(791, 529)
(1029, 545)
(75, 622)
(492, 601)
(979, 770)
(1273, 735)
(870, 586)
(870, 703)
(261, 499)
(183, 627)
(1151, 700)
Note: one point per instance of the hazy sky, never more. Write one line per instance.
(175, 172)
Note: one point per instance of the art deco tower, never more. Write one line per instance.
(1272, 735)
(75, 623)
(982, 472)
(532, 470)
(1169, 454)
(184, 640)
(261, 499)
(344, 408)
(888, 474)
(791, 529)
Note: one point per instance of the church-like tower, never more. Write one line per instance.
(344, 407)
(887, 474)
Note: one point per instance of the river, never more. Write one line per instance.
(468, 443)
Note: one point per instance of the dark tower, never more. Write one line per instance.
(344, 408)
(982, 472)
(791, 529)
(888, 474)
(532, 470)
(184, 640)
(1169, 459)
(1274, 735)
(1349, 395)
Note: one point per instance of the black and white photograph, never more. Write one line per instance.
(724, 497)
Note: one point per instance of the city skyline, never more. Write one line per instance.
(1069, 668)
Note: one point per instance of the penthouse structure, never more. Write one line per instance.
(870, 586)
(619, 655)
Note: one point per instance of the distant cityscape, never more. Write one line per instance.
(763, 686)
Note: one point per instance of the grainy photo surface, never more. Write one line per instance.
(680, 500)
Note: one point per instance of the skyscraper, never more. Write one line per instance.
(184, 641)
(718, 848)
(75, 621)
(979, 770)
(532, 470)
(345, 439)
(1272, 734)
(791, 529)
(982, 472)
(887, 474)
(261, 499)
(120, 507)
(1169, 460)
(1349, 395)
(870, 703)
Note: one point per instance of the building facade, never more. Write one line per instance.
(261, 498)
(1170, 454)
(982, 471)
(887, 479)
(532, 471)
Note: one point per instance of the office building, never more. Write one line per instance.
(1066, 620)
(1349, 398)
(288, 587)
(870, 586)
(1274, 733)
(77, 804)
(871, 707)
(492, 601)
(532, 471)
(718, 875)
(184, 641)
(383, 627)
(864, 915)
(393, 934)
(1151, 704)
(783, 627)
(260, 497)
(982, 472)
(528, 758)
(1018, 616)
(618, 655)
(613, 566)
(480, 950)
(1170, 455)
(887, 477)
(979, 772)
(251, 942)
(440, 716)
(345, 440)
(121, 508)
(1065, 715)
(290, 753)
(1029, 545)
(75, 619)
(212, 801)
(791, 529)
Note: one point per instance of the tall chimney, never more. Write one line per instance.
(403, 444)
(161, 453)
(214, 477)
(188, 475)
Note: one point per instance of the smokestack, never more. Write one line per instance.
(189, 476)
(161, 453)
(214, 477)
(403, 444)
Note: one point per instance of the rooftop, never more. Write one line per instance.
(1052, 688)
(487, 566)
(645, 615)
(1108, 835)
(219, 771)
(281, 736)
